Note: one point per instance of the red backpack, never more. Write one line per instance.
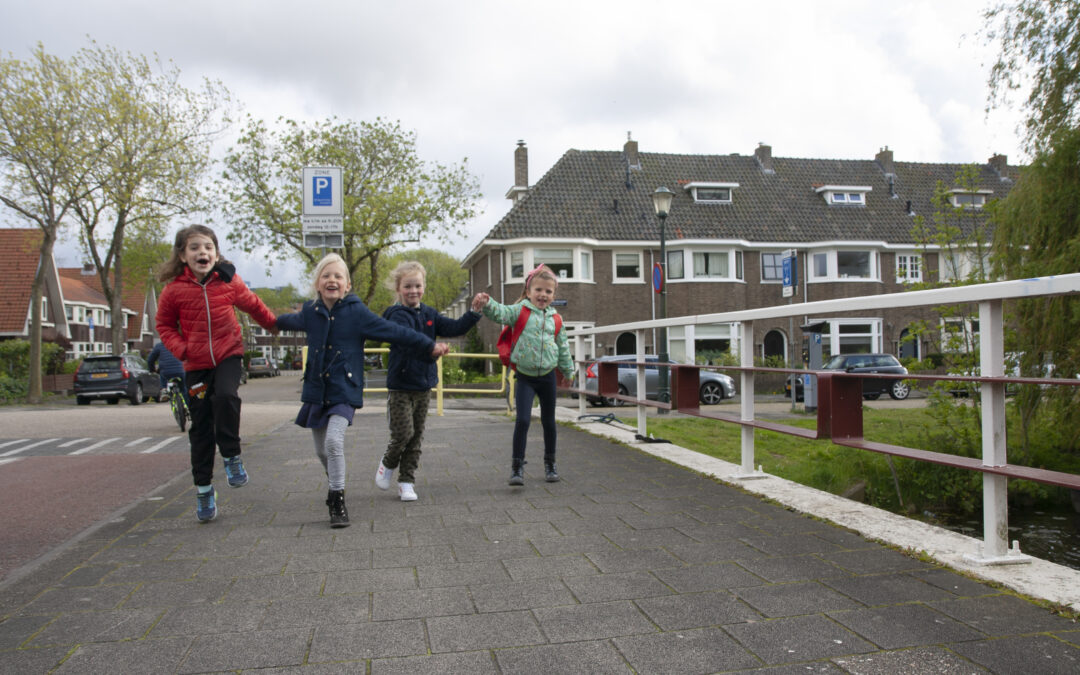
(509, 337)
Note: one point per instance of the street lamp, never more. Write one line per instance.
(662, 203)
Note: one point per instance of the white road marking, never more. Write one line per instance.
(27, 447)
(20, 440)
(155, 448)
(137, 441)
(8, 461)
(70, 443)
(95, 445)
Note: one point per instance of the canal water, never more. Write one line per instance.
(1052, 535)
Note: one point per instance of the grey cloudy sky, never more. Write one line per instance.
(832, 78)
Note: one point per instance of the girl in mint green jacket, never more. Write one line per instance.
(540, 349)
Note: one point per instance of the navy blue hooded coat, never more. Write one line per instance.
(334, 372)
(410, 369)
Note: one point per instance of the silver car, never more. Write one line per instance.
(713, 387)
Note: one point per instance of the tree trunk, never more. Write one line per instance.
(116, 306)
(45, 255)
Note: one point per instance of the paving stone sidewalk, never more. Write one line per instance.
(629, 565)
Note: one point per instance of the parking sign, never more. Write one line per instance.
(322, 190)
(323, 214)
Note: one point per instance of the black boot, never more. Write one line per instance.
(516, 475)
(550, 474)
(339, 515)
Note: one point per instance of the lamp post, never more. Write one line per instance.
(662, 203)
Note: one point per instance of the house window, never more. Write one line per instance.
(710, 265)
(711, 193)
(586, 265)
(908, 268)
(959, 334)
(843, 265)
(489, 279)
(69, 312)
(517, 264)
(772, 267)
(627, 267)
(44, 309)
(560, 260)
(849, 195)
(850, 336)
(675, 265)
(962, 199)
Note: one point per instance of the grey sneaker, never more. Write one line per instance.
(234, 471)
(206, 506)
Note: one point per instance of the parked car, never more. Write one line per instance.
(262, 366)
(873, 388)
(373, 360)
(713, 387)
(115, 377)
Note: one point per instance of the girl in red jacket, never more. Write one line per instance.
(196, 321)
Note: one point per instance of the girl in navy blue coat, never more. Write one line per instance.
(337, 323)
(410, 376)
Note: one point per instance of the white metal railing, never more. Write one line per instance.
(989, 298)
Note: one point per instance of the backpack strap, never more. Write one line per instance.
(519, 325)
(558, 323)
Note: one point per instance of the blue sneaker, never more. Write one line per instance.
(234, 471)
(206, 506)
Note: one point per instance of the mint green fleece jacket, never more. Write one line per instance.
(538, 349)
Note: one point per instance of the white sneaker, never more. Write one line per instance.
(383, 476)
(406, 491)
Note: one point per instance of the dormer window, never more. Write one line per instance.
(969, 199)
(711, 193)
(846, 195)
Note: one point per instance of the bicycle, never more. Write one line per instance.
(178, 403)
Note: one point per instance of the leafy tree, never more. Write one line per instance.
(444, 278)
(1037, 233)
(1039, 46)
(158, 137)
(390, 196)
(45, 148)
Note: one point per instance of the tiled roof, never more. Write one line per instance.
(20, 249)
(133, 299)
(593, 194)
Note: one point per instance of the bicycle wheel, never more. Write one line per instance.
(179, 409)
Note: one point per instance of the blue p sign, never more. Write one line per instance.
(322, 194)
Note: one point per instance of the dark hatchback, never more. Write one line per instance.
(873, 388)
(115, 377)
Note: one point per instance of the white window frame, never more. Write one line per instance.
(832, 265)
(778, 266)
(844, 195)
(835, 336)
(909, 268)
(978, 198)
(578, 255)
(616, 279)
(681, 255)
(694, 187)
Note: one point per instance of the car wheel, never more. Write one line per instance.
(82, 400)
(872, 397)
(711, 393)
(617, 402)
(899, 390)
(137, 398)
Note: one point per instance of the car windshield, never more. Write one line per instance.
(835, 362)
(258, 361)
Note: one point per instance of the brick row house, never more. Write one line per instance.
(75, 313)
(591, 218)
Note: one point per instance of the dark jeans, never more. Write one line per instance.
(542, 387)
(215, 417)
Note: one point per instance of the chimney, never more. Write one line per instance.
(884, 159)
(1000, 163)
(88, 270)
(521, 173)
(763, 155)
(630, 151)
(521, 165)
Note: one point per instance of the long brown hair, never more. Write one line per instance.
(542, 271)
(174, 266)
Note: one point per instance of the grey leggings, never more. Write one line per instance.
(330, 448)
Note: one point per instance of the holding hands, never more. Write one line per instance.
(480, 301)
(439, 349)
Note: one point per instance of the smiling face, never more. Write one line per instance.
(200, 255)
(541, 292)
(333, 283)
(410, 289)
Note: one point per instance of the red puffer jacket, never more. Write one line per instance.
(197, 322)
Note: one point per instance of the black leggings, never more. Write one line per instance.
(542, 387)
(215, 417)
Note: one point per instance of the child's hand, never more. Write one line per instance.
(440, 349)
(480, 301)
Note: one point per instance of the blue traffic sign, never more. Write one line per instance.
(658, 277)
(322, 191)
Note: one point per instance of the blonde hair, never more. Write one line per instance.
(542, 271)
(405, 268)
(328, 259)
(174, 266)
